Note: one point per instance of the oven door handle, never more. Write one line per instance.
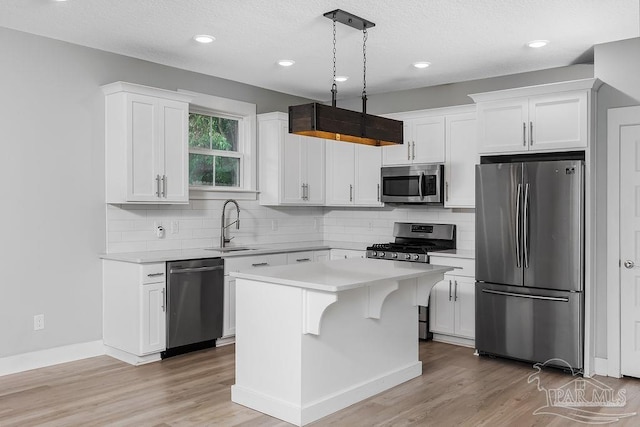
(195, 269)
(420, 181)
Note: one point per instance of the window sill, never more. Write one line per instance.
(199, 193)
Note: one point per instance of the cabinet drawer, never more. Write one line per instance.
(248, 262)
(299, 257)
(465, 266)
(153, 273)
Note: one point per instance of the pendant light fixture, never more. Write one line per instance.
(330, 122)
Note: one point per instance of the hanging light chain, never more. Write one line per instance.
(334, 86)
(364, 61)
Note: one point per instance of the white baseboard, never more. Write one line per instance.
(601, 366)
(129, 358)
(230, 339)
(52, 356)
(449, 339)
(306, 413)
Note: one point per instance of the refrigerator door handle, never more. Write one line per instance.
(513, 294)
(518, 228)
(525, 228)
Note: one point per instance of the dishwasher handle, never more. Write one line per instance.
(195, 269)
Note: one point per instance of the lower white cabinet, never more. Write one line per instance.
(347, 253)
(452, 307)
(134, 304)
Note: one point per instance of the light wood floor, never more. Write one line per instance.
(456, 388)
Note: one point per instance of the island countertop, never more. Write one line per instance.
(340, 275)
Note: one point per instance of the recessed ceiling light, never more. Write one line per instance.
(537, 43)
(204, 38)
(421, 64)
(341, 79)
(286, 62)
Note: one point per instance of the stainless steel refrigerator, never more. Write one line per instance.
(530, 261)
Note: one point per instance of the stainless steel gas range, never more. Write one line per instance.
(413, 242)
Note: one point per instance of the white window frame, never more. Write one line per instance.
(245, 113)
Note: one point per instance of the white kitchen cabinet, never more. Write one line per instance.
(146, 137)
(347, 253)
(134, 308)
(292, 167)
(323, 255)
(353, 174)
(462, 156)
(452, 307)
(545, 118)
(424, 139)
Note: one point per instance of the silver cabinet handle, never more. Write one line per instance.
(164, 299)
(518, 227)
(195, 269)
(302, 191)
(446, 191)
(455, 291)
(531, 133)
(449, 290)
(629, 264)
(524, 134)
(155, 274)
(164, 186)
(306, 191)
(260, 264)
(158, 185)
(408, 150)
(413, 157)
(378, 192)
(303, 259)
(351, 192)
(513, 294)
(525, 227)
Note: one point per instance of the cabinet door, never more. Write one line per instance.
(321, 256)
(441, 307)
(229, 318)
(173, 150)
(502, 126)
(399, 154)
(314, 173)
(291, 174)
(367, 175)
(558, 121)
(465, 307)
(143, 174)
(340, 173)
(462, 156)
(153, 318)
(428, 140)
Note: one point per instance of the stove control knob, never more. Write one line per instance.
(374, 253)
(394, 255)
(416, 257)
(381, 254)
(407, 256)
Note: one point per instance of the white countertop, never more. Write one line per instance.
(454, 253)
(340, 275)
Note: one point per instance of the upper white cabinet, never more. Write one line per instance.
(292, 167)
(353, 174)
(423, 139)
(462, 156)
(146, 137)
(545, 118)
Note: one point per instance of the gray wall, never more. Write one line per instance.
(617, 65)
(52, 180)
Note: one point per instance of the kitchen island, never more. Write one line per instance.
(314, 338)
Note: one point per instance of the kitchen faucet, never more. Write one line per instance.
(223, 239)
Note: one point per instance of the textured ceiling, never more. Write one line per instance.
(463, 39)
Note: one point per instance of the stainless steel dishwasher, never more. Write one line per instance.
(195, 291)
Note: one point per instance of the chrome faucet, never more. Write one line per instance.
(223, 239)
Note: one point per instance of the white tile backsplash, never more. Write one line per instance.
(130, 228)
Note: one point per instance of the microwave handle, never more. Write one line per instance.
(420, 180)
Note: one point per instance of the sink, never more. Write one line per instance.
(230, 249)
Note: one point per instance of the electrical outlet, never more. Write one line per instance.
(175, 227)
(38, 322)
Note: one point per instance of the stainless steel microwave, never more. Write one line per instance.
(420, 183)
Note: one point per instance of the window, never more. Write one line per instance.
(215, 155)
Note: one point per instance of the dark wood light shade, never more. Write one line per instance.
(325, 121)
